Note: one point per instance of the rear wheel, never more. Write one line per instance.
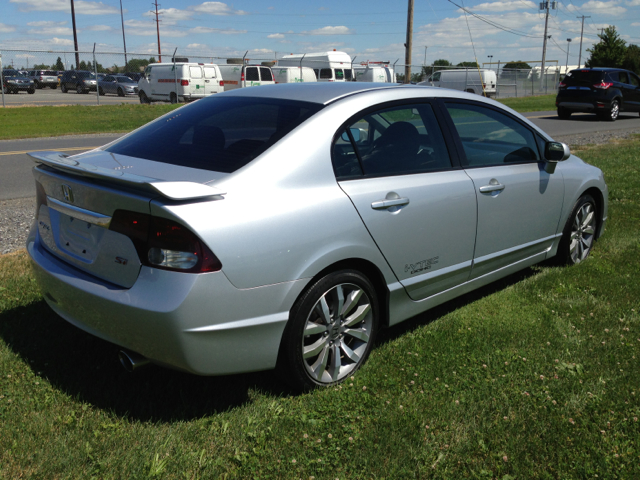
(173, 98)
(120, 93)
(100, 91)
(63, 88)
(563, 113)
(614, 111)
(144, 98)
(31, 90)
(79, 89)
(579, 232)
(330, 332)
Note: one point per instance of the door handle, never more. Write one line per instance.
(492, 187)
(387, 203)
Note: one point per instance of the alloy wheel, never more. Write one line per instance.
(582, 232)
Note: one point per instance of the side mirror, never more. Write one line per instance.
(355, 133)
(555, 152)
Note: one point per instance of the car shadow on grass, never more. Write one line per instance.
(87, 369)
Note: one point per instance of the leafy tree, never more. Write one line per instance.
(468, 64)
(517, 65)
(632, 59)
(137, 64)
(609, 52)
(82, 65)
(58, 65)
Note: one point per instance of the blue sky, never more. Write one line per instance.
(370, 30)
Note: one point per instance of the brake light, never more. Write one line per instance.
(603, 85)
(222, 83)
(165, 244)
(562, 85)
(242, 76)
(184, 83)
(41, 77)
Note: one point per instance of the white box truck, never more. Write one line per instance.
(293, 74)
(179, 82)
(328, 66)
(380, 72)
(240, 76)
(472, 80)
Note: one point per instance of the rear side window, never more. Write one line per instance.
(326, 73)
(251, 74)
(339, 74)
(347, 74)
(265, 74)
(209, 72)
(220, 134)
(195, 72)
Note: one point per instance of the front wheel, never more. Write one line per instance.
(63, 88)
(31, 91)
(173, 98)
(330, 331)
(143, 98)
(613, 113)
(79, 89)
(100, 91)
(579, 232)
(120, 92)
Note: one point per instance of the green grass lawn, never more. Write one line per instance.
(535, 376)
(33, 122)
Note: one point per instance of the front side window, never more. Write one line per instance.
(392, 141)
(217, 133)
(490, 137)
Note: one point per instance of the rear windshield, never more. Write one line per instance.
(221, 134)
(588, 77)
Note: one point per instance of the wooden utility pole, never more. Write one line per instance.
(75, 35)
(544, 42)
(158, 29)
(581, 33)
(407, 55)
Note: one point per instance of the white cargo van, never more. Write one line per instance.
(374, 72)
(293, 74)
(468, 80)
(179, 82)
(328, 66)
(239, 76)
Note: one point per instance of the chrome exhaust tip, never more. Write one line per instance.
(132, 361)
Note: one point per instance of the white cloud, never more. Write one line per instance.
(506, 6)
(82, 7)
(51, 31)
(6, 28)
(100, 28)
(147, 28)
(170, 16)
(62, 41)
(216, 8)
(228, 31)
(635, 24)
(45, 23)
(341, 30)
(603, 8)
(275, 35)
(633, 3)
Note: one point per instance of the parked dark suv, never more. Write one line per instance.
(603, 91)
(13, 81)
(81, 81)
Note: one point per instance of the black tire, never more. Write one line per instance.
(613, 113)
(79, 89)
(63, 88)
(37, 84)
(120, 93)
(100, 91)
(31, 91)
(563, 113)
(322, 347)
(579, 232)
(143, 98)
(173, 98)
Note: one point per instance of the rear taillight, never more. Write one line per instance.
(165, 244)
(41, 77)
(222, 83)
(603, 85)
(242, 76)
(562, 85)
(184, 83)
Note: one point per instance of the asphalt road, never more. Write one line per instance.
(16, 180)
(47, 96)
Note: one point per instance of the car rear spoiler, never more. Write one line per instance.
(170, 190)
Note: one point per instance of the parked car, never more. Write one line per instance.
(133, 76)
(118, 85)
(13, 82)
(603, 91)
(81, 81)
(285, 226)
(44, 78)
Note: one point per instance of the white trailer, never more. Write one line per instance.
(380, 72)
(293, 74)
(328, 66)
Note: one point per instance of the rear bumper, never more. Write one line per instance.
(201, 324)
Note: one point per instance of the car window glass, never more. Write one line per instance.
(252, 75)
(623, 77)
(393, 141)
(326, 73)
(436, 77)
(339, 74)
(347, 74)
(490, 137)
(265, 74)
(195, 72)
(218, 133)
(634, 80)
(209, 72)
(108, 78)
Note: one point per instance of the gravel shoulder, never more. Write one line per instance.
(16, 216)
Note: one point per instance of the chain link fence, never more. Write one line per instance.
(509, 82)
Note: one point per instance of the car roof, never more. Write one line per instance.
(315, 92)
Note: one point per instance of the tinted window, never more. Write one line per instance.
(586, 77)
(86, 75)
(490, 137)
(10, 73)
(393, 141)
(623, 77)
(108, 78)
(326, 73)
(265, 74)
(251, 74)
(634, 80)
(216, 133)
(347, 74)
(123, 79)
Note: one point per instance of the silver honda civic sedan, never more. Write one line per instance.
(283, 226)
